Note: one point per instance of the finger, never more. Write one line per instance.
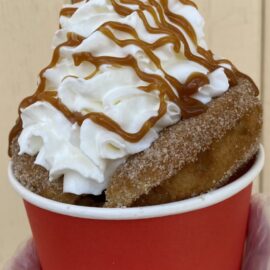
(25, 259)
(257, 255)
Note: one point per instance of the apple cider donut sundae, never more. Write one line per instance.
(134, 109)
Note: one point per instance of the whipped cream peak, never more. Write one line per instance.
(121, 72)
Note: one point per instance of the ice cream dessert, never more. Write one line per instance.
(134, 109)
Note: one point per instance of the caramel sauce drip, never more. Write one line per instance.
(68, 12)
(168, 87)
(188, 2)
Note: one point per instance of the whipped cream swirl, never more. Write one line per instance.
(88, 154)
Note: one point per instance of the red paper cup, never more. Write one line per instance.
(203, 233)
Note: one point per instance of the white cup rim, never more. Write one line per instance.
(168, 209)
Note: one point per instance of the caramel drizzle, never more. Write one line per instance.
(68, 12)
(189, 106)
(189, 3)
(73, 40)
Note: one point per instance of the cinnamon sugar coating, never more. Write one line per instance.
(213, 168)
(193, 156)
(36, 178)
